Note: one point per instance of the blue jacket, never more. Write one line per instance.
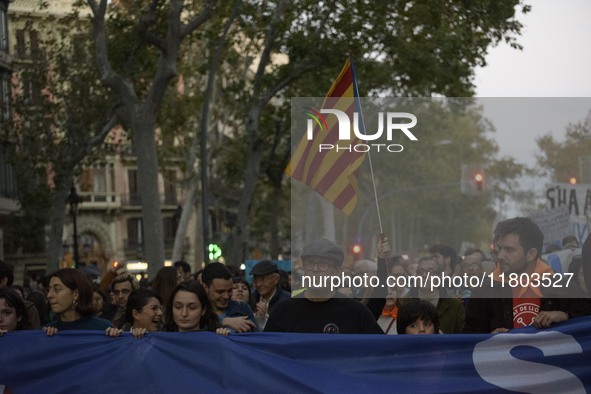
(237, 309)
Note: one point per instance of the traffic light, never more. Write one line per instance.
(356, 249)
(479, 181)
(473, 179)
(215, 251)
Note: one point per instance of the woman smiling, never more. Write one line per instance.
(143, 314)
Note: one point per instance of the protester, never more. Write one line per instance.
(143, 314)
(446, 257)
(237, 316)
(268, 293)
(377, 298)
(504, 306)
(317, 310)
(389, 315)
(165, 281)
(362, 268)
(189, 310)
(198, 276)
(99, 299)
(6, 280)
(570, 242)
(70, 299)
(471, 265)
(418, 317)
(13, 312)
(450, 310)
(241, 291)
(121, 287)
(39, 299)
(184, 270)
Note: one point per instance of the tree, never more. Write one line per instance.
(60, 118)
(562, 160)
(155, 30)
(402, 48)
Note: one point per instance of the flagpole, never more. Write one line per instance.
(369, 291)
(373, 181)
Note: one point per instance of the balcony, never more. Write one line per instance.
(100, 200)
(134, 200)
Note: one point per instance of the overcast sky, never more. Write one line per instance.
(555, 62)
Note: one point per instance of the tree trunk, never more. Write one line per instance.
(274, 210)
(181, 232)
(251, 175)
(191, 181)
(56, 232)
(144, 143)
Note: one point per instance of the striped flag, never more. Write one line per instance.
(332, 174)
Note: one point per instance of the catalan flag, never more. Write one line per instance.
(332, 173)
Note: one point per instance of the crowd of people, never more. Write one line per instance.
(221, 300)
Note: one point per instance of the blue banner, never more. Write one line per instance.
(556, 360)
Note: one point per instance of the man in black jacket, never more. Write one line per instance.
(268, 293)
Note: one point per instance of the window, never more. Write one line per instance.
(7, 174)
(33, 38)
(21, 44)
(21, 48)
(94, 181)
(170, 188)
(135, 233)
(5, 95)
(31, 85)
(169, 228)
(134, 195)
(3, 29)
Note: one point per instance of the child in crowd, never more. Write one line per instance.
(417, 317)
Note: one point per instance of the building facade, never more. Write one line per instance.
(109, 217)
(8, 202)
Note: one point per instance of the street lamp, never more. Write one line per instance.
(74, 199)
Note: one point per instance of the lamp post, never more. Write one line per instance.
(74, 199)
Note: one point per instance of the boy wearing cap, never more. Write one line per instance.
(268, 293)
(317, 309)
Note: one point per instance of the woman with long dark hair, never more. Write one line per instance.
(143, 314)
(188, 309)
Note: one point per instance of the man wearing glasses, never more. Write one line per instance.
(121, 288)
(319, 309)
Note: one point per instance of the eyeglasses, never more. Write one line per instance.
(322, 265)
